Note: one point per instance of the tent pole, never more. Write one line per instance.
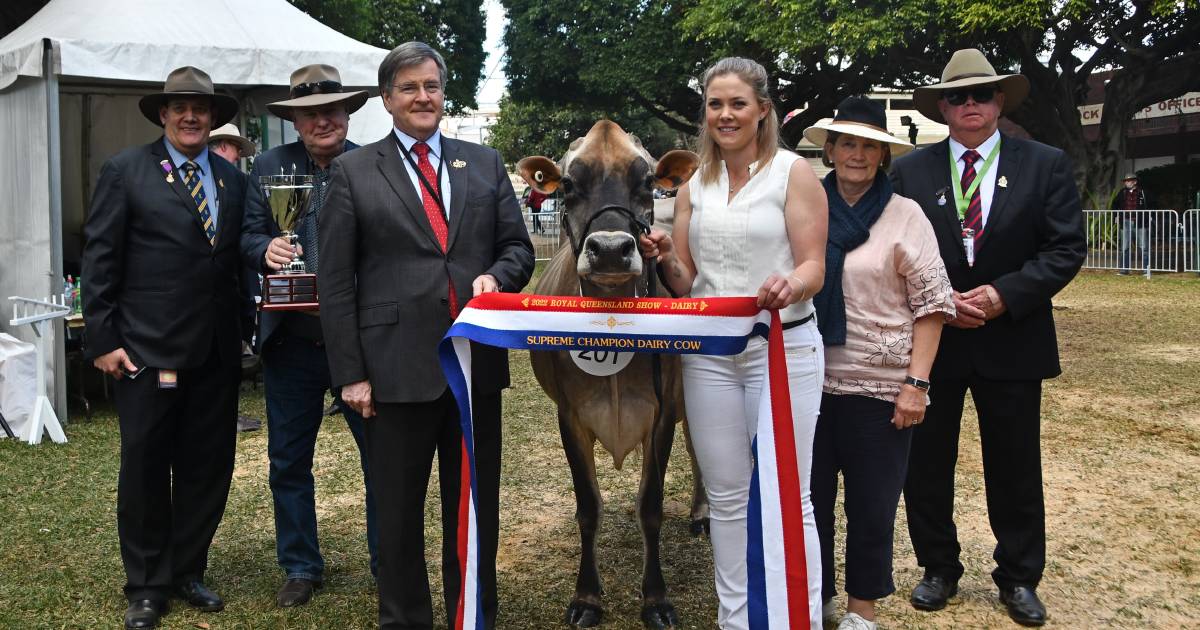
(58, 359)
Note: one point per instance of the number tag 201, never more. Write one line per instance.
(601, 362)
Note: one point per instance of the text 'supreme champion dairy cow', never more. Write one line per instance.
(624, 400)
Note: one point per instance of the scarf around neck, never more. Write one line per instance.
(849, 227)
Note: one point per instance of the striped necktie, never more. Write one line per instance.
(973, 218)
(191, 180)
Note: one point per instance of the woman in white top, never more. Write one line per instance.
(751, 221)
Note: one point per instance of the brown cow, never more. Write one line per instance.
(607, 180)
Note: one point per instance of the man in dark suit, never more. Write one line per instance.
(414, 226)
(1010, 229)
(161, 305)
(295, 370)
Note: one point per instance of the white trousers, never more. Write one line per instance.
(722, 395)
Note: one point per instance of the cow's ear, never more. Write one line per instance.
(541, 173)
(675, 168)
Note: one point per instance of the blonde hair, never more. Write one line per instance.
(754, 75)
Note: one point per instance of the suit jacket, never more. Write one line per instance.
(1032, 245)
(383, 275)
(156, 287)
(260, 226)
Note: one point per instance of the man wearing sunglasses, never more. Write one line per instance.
(295, 370)
(1009, 226)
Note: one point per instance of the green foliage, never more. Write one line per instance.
(532, 128)
(1172, 186)
(457, 28)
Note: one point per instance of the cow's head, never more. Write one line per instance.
(607, 179)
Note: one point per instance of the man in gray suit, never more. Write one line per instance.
(413, 227)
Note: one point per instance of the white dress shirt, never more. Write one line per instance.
(987, 187)
(435, 159)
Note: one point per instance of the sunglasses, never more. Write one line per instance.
(316, 87)
(979, 95)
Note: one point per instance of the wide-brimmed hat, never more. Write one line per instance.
(230, 132)
(187, 82)
(968, 67)
(862, 117)
(1129, 176)
(314, 86)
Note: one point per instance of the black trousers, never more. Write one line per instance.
(1010, 436)
(855, 436)
(177, 448)
(401, 441)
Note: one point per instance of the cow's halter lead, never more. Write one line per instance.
(637, 225)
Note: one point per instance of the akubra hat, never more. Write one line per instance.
(189, 82)
(862, 117)
(230, 132)
(315, 86)
(968, 67)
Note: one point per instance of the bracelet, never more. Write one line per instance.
(803, 287)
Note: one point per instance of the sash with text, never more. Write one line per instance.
(777, 568)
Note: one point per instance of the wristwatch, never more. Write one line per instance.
(919, 383)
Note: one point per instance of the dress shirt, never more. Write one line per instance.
(435, 158)
(206, 178)
(987, 187)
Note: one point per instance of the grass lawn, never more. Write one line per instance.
(1121, 458)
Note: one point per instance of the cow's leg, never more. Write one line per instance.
(585, 609)
(699, 513)
(657, 610)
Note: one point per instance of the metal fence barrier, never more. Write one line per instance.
(543, 230)
(1134, 241)
(1190, 227)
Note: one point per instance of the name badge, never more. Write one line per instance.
(968, 239)
(601, 362)
(168, 379)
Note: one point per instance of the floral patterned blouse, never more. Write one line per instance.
(890, 281)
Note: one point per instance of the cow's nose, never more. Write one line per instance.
(610, 252)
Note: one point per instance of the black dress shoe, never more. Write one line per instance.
(1023, 605)
(932, 592)
(197, 595)
(144, 613)
(296, 592)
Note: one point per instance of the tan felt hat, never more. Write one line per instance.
(968, 67)
(314, 86)
(230, 132)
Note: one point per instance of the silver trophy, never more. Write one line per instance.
(292, 288)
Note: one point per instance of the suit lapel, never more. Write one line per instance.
(219, 178)
(459, 180)
(392, 167)
(941, 188)
(174, 181)
(1007, 171)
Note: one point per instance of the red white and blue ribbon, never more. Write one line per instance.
(775, 553)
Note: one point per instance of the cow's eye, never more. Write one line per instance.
(567, 185)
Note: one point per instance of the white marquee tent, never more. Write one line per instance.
(70, 79)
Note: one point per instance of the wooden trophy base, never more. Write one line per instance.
(289, 292)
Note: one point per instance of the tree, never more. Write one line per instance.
(533, 128)
(457, 28)
(650, 53)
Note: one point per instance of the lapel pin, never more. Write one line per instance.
(221, 183)
(166, 167)
(941, 200)
(458, 164)
(1002, 182)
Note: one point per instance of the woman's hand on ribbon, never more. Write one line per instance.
(656, 245)
(778, 291)
(910, 407)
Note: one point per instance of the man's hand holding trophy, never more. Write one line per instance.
(292, 288)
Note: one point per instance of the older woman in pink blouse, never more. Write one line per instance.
(880, 313)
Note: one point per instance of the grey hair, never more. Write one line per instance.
(754, 75)
(406, 55)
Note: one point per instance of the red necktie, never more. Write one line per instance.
(974, 216)
(434, 212)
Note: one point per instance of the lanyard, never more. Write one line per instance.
(433, 192)
(961, 199)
